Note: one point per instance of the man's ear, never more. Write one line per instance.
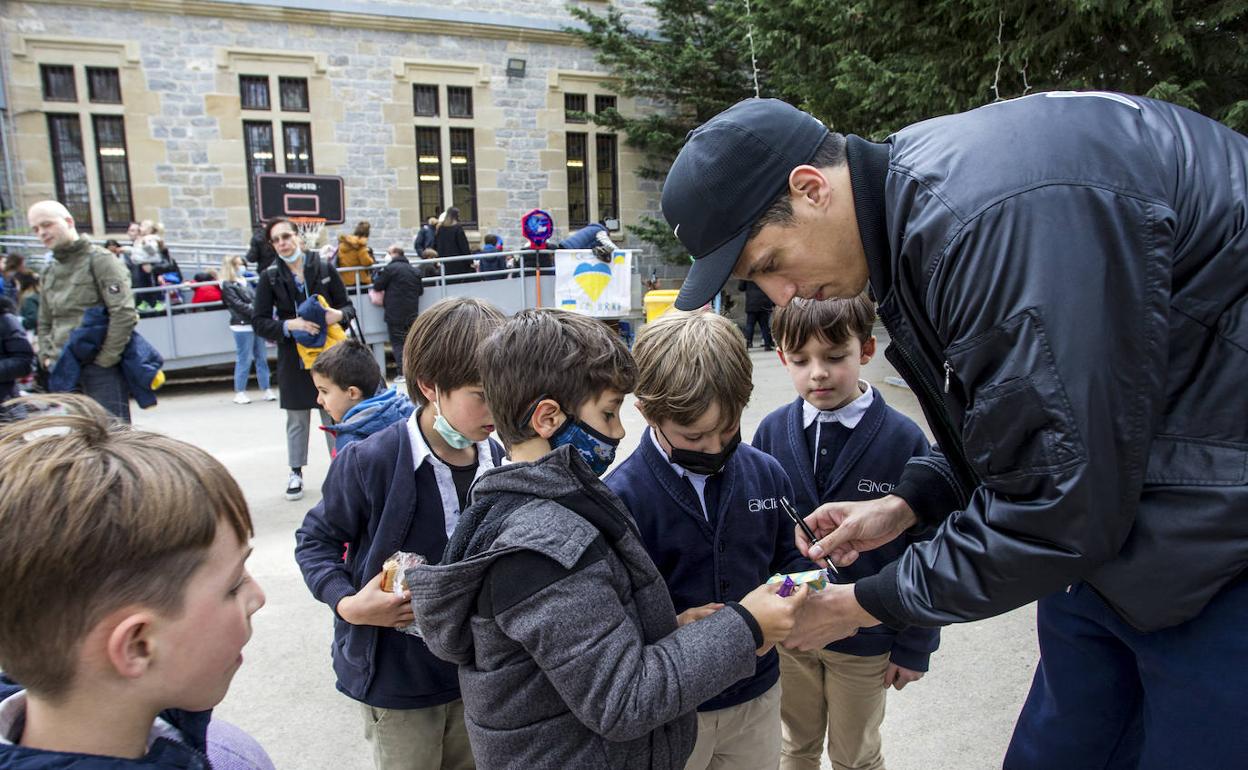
(808, 185)
(547, 417)
(130, 646)
(868, 350)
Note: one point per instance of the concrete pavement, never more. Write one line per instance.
(959, 716)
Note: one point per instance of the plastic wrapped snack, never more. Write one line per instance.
(393, 581)
(815, 579)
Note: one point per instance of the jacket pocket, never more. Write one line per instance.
(1019, 423)
(1179, 461)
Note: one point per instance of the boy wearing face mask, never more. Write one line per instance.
(402, 489)
(567, 643)
(708, 510)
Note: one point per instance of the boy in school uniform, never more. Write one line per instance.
(402, 489)
(348, 387)
(126, 599)
(840, 441)
(708, 511)
(568, 648)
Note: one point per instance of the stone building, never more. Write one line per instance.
(165, 109)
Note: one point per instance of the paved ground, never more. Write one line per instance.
(959, 716)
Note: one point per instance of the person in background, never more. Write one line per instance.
(28, 300)
(403, 285)
(595, 236)
(492, 267)
(260, 253)
(451, 241)
(239, 299)
(428, 267)
(14, 267)
(757, 311)
(353, 252)
(424, 238)
(17, 357)
(208, 290)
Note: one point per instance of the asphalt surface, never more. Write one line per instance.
(959, 716)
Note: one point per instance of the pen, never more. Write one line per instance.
(799, 521)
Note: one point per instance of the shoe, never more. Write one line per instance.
(768, 347)
(241, 398)
(269, 395)
(294, 487)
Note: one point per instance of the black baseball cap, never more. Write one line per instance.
(729, 171)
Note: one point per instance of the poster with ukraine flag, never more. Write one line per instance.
(586, 284)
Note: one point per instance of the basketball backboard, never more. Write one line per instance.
(301, 195)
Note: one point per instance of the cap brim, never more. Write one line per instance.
(709, 273)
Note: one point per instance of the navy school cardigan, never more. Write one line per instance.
(868, 467)
(373, 501)
(752, 540)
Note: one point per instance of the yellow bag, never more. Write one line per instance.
(333, 336)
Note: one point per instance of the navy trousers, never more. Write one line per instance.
(1108, 696)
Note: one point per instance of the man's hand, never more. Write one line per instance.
(302, 325)
(333, 316)
(846, 529)
(828, 615)
(775, 614)
(697, 613)
(899, 677)
(371, 606)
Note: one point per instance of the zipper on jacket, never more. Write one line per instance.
(948, 374)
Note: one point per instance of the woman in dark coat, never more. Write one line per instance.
(290, 280)
(403, 285)
(450, 241)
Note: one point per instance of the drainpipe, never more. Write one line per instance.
(5, 147)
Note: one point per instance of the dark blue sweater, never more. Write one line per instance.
(374, 502)
(751, 539)
(868, 467)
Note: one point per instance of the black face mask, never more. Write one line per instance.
(703, 463)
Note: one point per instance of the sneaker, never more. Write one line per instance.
(241, 398)
(294, 487)
(269, 395)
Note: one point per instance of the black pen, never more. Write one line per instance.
(799, 521)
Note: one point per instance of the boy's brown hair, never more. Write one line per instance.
(350, 363)
(443, 344)
(834, 320)
(95, 516)
(688, 361)
(546, 353)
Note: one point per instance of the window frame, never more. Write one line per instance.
(614, 156)
(84, 222)
(45, 70)
(284, 80)
(113, 224)
(307, 126)
(467, 221)
(248, 152)
(92, 97)
(583, 138)
(437, 102)
(268, 93)
(584, 108)
(466, 91)
(436, 133)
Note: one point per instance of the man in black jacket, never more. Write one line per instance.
(403, 285)
(1063, 278)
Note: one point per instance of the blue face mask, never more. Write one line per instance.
(293, 258)
(597, 450)
(454, 438)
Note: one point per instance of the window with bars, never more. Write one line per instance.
(458, 102)
(424, 100)
(608, 176)
(574, 108)
(293, 93)
(603, 103)
(578, 180)
(297, 138)
(464, 175)
(429, 171)
(253, 92)
(69, 167)
(258, 146)
(114, 169)
(103, 85)
(58, 83)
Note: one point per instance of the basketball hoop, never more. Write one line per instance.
(309, 229)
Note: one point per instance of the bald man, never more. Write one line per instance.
(83, 275)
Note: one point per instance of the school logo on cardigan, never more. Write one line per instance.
(881, 487)
(758, 505)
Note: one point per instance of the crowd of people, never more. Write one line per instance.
(515, 602)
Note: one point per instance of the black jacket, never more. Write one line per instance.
(756, 300)
(403, 286)
(1063, 278)
(238, 297)
(277, 297)
(450, 241)
(424, 239)
(17, 357)
(261, 252)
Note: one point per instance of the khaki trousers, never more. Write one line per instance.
(433, 738)
(741, 737)
(842, 695)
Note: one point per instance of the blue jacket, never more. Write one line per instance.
(375, 503)
(752, 540)
(369, 416)
(191, 754)
(868, 467)
(17, 357)
(585, 238)
(140, 362)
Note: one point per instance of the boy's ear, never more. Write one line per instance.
(547, 418)
(130, 646)
(354, 393)
(427, 390)
(868, 350)
(783, 361)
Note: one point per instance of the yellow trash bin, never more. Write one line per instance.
(658, 302)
